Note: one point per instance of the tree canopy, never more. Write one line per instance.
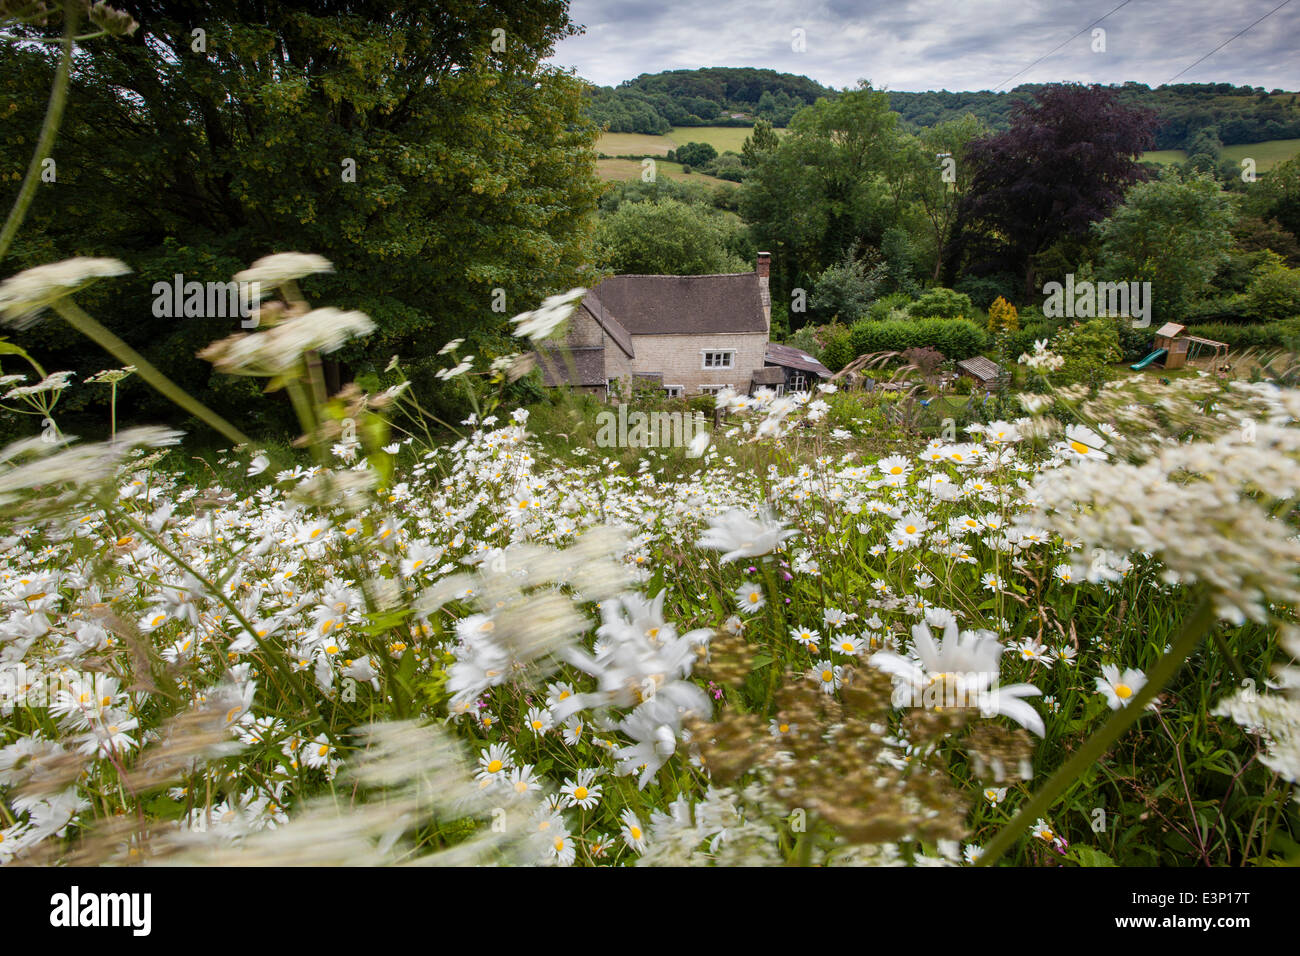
(422, 147)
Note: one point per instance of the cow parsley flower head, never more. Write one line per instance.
(541, 322)
(25, 295)
(279, 348)
(284, 267)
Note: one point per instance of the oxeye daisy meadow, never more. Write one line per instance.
(421, 615)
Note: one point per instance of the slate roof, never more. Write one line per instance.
(980, 367)
(788, 356)
(769, 375)
(681, 305)
(588, 365)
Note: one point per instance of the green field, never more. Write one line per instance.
(634, 144)
(1266, 154)
(1165, 156)
(721, 138)
(624, 169)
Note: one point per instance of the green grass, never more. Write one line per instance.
(1165, 156)
(721, 138)
(1266, 154)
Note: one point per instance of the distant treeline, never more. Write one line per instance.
(653, 103)
(720, 96)
(1184, 111)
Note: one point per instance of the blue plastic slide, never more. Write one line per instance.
(1158, 353)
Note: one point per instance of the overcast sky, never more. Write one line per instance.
(941, 44)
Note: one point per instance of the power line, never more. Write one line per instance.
(1064, 43)
(1227, 41)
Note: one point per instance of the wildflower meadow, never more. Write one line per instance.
(1033, 642)
(1055, 626)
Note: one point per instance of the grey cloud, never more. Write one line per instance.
(934, 44)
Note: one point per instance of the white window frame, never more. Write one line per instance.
(711, 389)
(798, 382)
(730, 358)
(675, 391)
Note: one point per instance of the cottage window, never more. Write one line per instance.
(798, 382)
(711, 389)
(674, 391)
(718, 359)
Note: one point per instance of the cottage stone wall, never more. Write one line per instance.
(681, 358)
(585, 332)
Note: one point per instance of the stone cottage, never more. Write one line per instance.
(688, 335)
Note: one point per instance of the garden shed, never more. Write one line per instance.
(980, 369)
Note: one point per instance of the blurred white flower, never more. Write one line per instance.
(24, 296)
(740, 535)
(540, 323)
(284, 267)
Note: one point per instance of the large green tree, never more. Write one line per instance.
(823, 189)
(669, 237)
(937, 172)
(1172, 232)
(420, 146)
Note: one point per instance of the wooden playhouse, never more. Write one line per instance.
(1174, 348)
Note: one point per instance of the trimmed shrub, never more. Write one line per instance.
(1266, 335)
(1089, 348)
(837, 345)
(955, 338)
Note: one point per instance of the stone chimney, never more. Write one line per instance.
(763, 267)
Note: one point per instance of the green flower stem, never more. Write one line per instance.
(49, 128)
(777, 648)
(76, 317)
(1201, 620)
